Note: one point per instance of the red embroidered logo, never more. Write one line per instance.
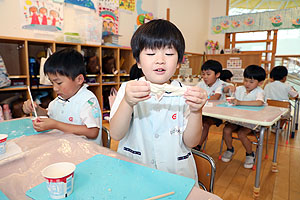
(174, 116)
(70, 119)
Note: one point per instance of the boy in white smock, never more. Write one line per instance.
(279, 89)
(75, 109)
(250, 94)
(158, 130)
(210, 73)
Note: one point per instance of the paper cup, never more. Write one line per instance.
(3, 138)
(59, 178)
(229, 101)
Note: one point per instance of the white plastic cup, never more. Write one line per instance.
(3, 139)
(229, 101)
(59, 178)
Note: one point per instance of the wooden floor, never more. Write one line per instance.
(233, 181)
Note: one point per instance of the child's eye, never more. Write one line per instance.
(150, 54)
(169, 54)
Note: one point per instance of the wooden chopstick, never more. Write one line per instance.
(160, 196)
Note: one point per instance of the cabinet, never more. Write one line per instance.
(19, 54)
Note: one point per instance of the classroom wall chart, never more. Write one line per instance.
(270, 20)
(45, 15)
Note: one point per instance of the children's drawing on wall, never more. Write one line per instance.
(143, 16)
(84, 3)
(109, 11)
(43, 15)
(128, 5)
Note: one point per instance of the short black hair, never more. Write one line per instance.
(135, 72)
(255, 72)
(212, 65)
(278, 73)
(67, 62)
(226, 74)
(156, 34)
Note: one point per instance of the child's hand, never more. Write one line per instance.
(231, 88)
(27, 106)
(195, 98)
(42, 124)
(136, 91)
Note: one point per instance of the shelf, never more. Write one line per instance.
(92, 75)
(17, 76)
(14, 88)
(109, 84)
(41, 87)
(93, 84)
(124, 74)
(108, 75)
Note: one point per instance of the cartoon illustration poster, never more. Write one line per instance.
(43, 15)
(143, 16)
(84, 3)
(109, 11)
(127, 5)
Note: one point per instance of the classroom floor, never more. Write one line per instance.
(233, 181)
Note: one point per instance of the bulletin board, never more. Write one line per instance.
(236, 63)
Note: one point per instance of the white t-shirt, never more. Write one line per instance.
(257, 94)
(279, 91)
(155, 134)
(81, 109)
(216, 88)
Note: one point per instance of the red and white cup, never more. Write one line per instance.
(3, 139)
(229, 101)
(59, 178)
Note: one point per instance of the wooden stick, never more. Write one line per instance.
(161, 196)
(34, 110)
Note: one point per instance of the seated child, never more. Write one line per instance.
(158, 131)
(210, 72)
(75, 109)
(279, 89)
(226, 75)
(250, 94)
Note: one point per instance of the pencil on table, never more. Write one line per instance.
(160, 196)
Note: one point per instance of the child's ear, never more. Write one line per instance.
(80, 78)
(260, 83)
(178, 65)
(218, 74)
(139, 65)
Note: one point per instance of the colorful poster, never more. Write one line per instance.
(43, 15)
(127, 5)
(84, 3)
(109, 11)
(143, 16)
(269, 20)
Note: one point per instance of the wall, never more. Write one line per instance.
(193, 18)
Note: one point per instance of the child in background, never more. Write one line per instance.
(75, 109)
(158, 131)
(226, 75)
(210, 72)
(250, 94)
(279, 89)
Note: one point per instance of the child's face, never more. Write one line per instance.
(250, 84)
(209, 77)
(65, 86)
(159, 65)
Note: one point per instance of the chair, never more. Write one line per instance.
(206, 170)
(106, 140)
(289, 118)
